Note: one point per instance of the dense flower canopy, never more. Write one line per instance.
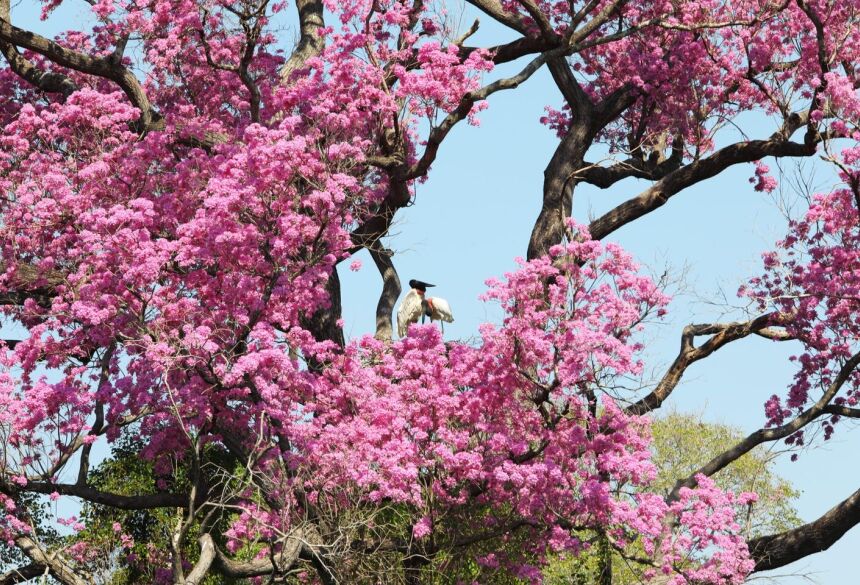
(179, 188)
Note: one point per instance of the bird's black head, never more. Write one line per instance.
(418, 285)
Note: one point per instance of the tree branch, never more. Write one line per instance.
(90, 494)
(722, 334)
(390, 292)
(311, 42)
(22, 574)
(495, 10)
(203, 564)
(105, 67)
(766, 435)
(283, 561)
(659, 193)
(58, 567)
(777, 550)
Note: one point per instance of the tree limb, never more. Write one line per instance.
(773, 434)
(123, 502)
(283, 561)
(105, 67)
(311, 41)
(777, 550)
(57, 565)
(721, 335)
(659, 193)
(390, 292)
(22, 574)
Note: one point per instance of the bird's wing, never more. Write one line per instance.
(408, 312)
(441, 310)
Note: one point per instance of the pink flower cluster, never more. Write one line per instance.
(813, 279)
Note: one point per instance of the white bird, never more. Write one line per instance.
(416, 306)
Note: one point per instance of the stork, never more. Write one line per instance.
(417, 305)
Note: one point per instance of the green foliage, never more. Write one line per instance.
(683, 443)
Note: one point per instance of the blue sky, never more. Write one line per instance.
(475, 214)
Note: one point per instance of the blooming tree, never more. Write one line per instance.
(179, 188)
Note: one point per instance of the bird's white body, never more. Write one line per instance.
(440, 310)
(412, 309)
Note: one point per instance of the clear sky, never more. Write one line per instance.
(475, 214)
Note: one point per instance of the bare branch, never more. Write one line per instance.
(840, 410)
(659, 193)
(90, 494)
(766, 435)
(777, 550)
(438, 134)
(721, 335)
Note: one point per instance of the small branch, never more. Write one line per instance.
(438, 134)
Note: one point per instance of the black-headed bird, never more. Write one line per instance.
(416, 305)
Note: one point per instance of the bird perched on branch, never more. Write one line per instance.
(416, 305)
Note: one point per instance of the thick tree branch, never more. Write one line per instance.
(281, 563)
(26, 69)
(311, 42)
(651, 169)
(840, 410)
(90, 494)
(558, 184)
(22, 574)
(105, 67)
(204, 563)
(579, 102)
(659, 193)
(777, 550)
(515, 49)
(495, 10)
(390, 292)
(61, 570)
